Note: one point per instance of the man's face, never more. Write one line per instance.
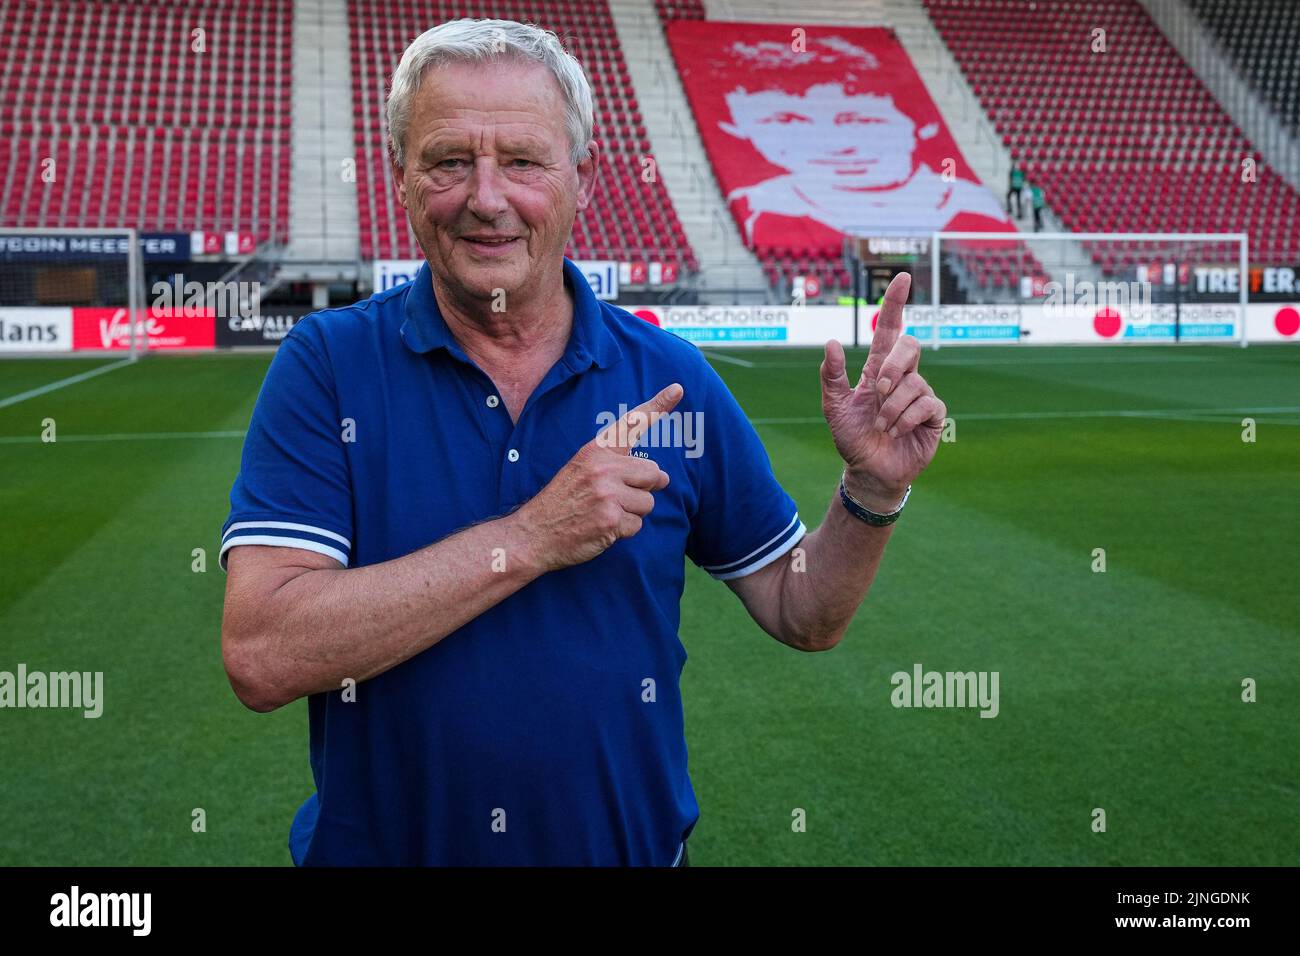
(487, 156)
(852, 141)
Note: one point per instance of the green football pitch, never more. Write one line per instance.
(1120, 690)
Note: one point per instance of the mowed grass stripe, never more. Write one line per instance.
(1119, 690)
(1106, 701)
(61, 492)
(124, 600)
(1164, 618)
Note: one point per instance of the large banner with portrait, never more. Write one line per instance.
(818, 131)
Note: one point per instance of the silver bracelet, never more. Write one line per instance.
(862, 512)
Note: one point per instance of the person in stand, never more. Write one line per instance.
(1015, 183)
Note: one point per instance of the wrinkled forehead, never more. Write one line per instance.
(825, 101)
(501, 91)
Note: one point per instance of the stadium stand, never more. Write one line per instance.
(630, 219)
(1262, 38)
(1128, 140)
(139, 136)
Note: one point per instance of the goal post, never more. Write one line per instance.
(1086, 288)
(62, 289)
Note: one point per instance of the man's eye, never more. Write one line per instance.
(526, 163)
(450, 164)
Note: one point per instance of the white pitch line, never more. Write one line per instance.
(1174, 414)
(723, 356)
(72, 380)
(1126, 413)
(1029, 416)
(122, 436)
(1228, 420)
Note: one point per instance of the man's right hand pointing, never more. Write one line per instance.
(601, 494)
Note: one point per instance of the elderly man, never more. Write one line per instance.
(476, 585)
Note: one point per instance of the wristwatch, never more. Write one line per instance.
(875, 519)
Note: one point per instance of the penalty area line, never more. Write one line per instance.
(1214, 415)
(138, 436)
(61, 383)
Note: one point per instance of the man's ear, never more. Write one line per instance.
(588, 175)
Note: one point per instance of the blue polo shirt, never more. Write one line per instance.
(548, 730)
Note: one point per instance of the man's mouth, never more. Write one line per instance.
(490, 243)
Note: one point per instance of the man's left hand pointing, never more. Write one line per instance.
(887, 427)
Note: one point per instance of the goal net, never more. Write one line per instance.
(1085, 288)
(62, 289)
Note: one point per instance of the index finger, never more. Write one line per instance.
(890, 322)
(627, 431)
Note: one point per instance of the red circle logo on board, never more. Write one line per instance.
(812, 286)
(1106, 323)
(1287, 321)
(874, 316)
(647, 315)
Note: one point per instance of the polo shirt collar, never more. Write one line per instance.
(424, 328)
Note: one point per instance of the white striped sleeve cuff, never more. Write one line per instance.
(761, 556)
(286, 534)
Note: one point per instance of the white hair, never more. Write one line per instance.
(483, 41)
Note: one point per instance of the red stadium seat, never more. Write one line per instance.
(130, 125)
(646, 227)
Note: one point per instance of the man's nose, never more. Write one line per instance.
(487, 198)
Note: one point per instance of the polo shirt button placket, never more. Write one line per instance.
(493, 401)
(513, 455)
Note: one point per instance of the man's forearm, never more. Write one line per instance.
(324, 625)
(840, 560)
(296, 625)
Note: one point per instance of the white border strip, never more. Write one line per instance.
(287, 526)
(765, 561)
(276, 542)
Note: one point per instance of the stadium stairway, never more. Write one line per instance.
(322, 200)
(970, 126)
(725, 263)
